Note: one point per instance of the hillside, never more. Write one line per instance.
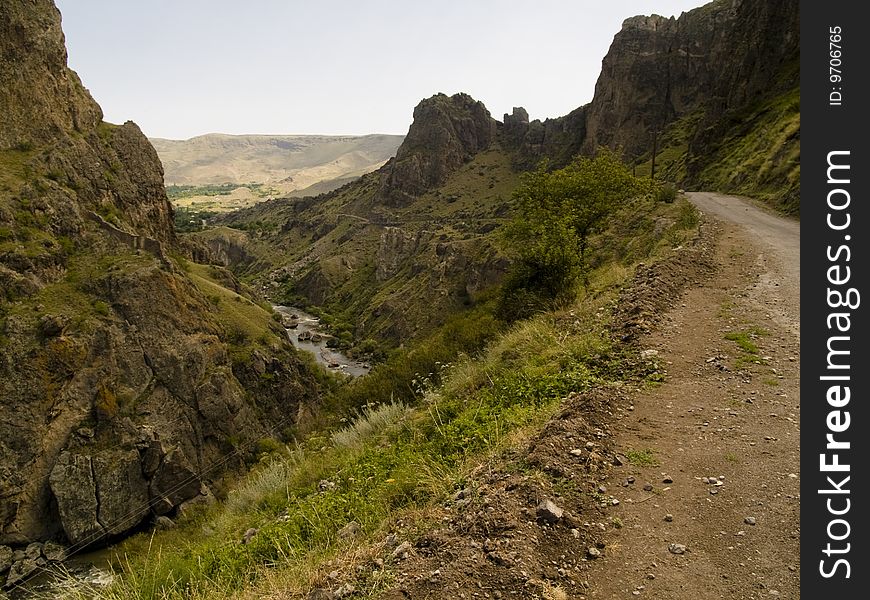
(132, 381)
(721, 96)
(211, 170)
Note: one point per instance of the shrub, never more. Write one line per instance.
(557, 211)
(666, 192)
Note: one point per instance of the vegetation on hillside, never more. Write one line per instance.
(395, 443)
(556, 213)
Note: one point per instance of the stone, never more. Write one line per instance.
(667, 479)
(648, 487)
(249, 535)
(593, 552)
(52, 325)
(72, 484)
(750, 520)
(669, 517)
(5, 558)
(33, 551)
(173, 482)
(675, 548)
(402, 551)
(548, 512)
(345, 590)
(163, 522)
(462, 494)
(350, 530)
(20, 571)
(85, 432)
(53, 551)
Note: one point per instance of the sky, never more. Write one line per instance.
(181, 68)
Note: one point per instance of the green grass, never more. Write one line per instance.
(746, 340)
(641, 458)
(391, 461)
(243, 321)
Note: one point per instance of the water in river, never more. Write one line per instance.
(304, 332)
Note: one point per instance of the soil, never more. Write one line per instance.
(687, 489)
(714, 419)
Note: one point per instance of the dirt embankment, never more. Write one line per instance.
(688, 489)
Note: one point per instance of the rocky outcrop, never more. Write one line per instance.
(698, 80)
(40, 98)
(394, 249)
(558, 139)
(715, 58)
(127, 383)
(100, 495)
(446, 133)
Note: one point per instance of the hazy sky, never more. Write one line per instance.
(181, 68)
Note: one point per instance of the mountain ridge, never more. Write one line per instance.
(130, 378)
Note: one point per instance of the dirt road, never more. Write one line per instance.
(718, 441)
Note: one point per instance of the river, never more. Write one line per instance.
(304, 332)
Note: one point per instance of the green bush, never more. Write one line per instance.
(666, 192)
(556, 213)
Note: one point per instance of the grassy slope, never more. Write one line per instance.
(758, 154)
(386, 469)
(331, 249)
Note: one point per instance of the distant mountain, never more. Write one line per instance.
(285, 163)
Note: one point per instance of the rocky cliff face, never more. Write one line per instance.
(716, 58)
(129, 382)
(719, 73)
(446, 133)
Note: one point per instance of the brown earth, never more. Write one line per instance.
(722, 412)
(712, 418)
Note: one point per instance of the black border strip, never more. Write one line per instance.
(835, 224)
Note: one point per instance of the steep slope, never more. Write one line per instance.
(125, 373)
(718, 85)
(392, 254)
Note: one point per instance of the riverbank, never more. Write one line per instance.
(304, 332)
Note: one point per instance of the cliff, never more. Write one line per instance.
(130, 380)
(710, 84)
(445, 134)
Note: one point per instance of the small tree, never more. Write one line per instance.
(556, 213)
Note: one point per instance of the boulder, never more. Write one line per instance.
(20, 571)
(174, 482)
(548, 512)
(99, 495)
(5, 558)
(53, 551)
(72, 483)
